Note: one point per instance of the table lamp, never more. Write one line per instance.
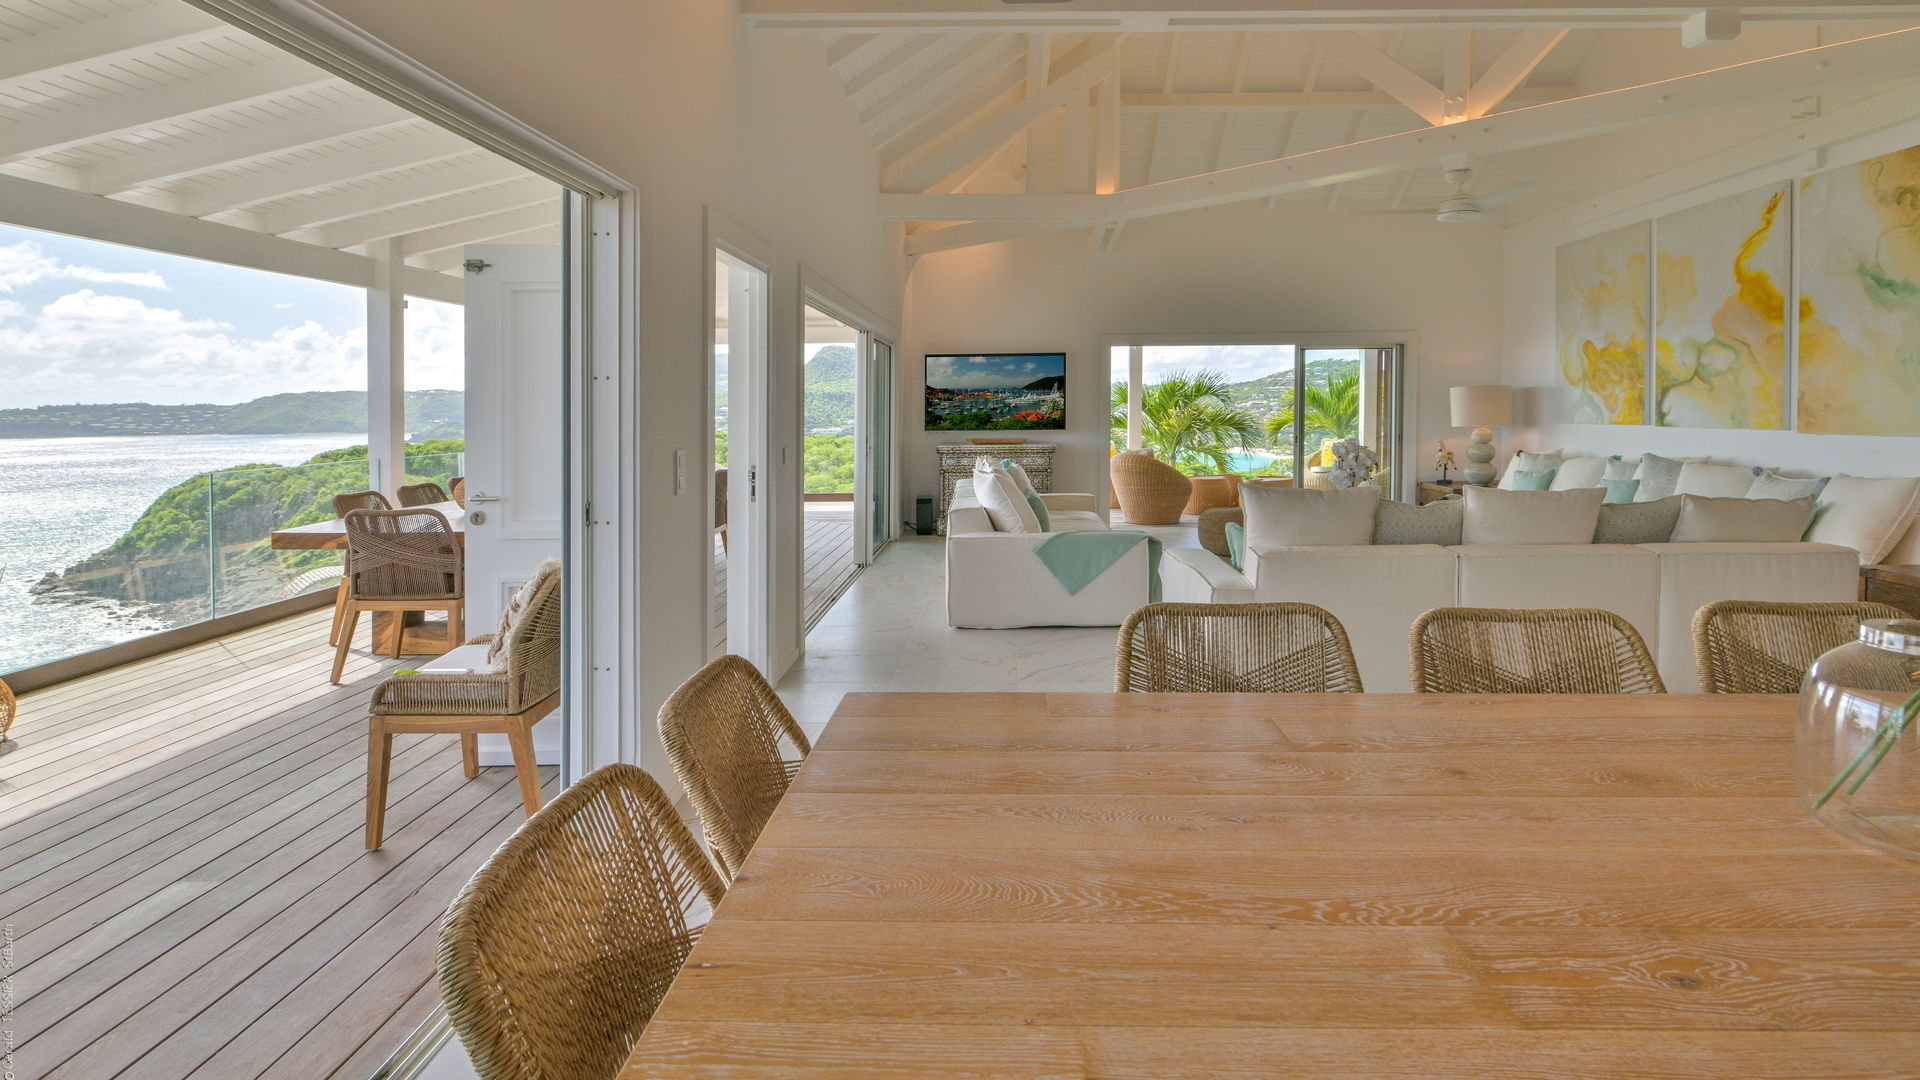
(1481, 408)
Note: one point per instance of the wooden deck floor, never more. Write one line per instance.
(185, 886)
(829, 558)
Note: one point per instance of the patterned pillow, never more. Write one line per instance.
(1404, 523)
(1637, 522)
(1660, 476)
(1619, 469)
(515, 609)
(1771, 485)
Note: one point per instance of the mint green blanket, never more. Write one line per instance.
(1076, 558)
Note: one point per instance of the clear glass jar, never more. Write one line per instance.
(1859, 738)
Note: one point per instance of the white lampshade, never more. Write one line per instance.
(1481, 406)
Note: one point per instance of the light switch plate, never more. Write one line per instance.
(679, 472)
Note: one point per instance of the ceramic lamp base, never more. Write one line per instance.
(1479, 468)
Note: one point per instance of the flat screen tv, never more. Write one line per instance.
(996, 391)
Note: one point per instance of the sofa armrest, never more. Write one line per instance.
(995, 580)
(1197, 576)
(1068, 500)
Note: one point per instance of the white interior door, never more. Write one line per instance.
(515, 326)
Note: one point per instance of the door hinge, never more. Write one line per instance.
(475, 266)
(753, 483)
(588, 511)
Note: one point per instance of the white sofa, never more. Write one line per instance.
(1377, 591)
(994, 580)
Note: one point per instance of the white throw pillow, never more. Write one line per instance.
(1868, 514)
(1531, 461)
(1713, 481)
(1001, 499)
(1619, 468)
(1578, 472)
(1741, 520)
(1658, 476)
(1531, 517)
(1308, 517)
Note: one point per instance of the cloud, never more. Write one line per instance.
(26, 262)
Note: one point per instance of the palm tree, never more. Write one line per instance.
(1333, 409)
(1188, 420)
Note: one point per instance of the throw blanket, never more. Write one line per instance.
(1076, 558)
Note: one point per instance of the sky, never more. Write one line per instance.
(1239, 363)
(83, 321)
(992, 371)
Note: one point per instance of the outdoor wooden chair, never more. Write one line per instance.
(735, 748)
(1759, 647)
(1549, 651)
(342, 506)
(1235, 648)
(555, 955)
(400, 561)
(422, 494)
(513, 683)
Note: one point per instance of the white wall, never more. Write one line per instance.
(680, 101)
(1244, 269)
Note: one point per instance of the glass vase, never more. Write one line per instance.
(1859, 737)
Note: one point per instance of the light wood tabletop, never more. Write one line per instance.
(1156, 887)
(331, 534)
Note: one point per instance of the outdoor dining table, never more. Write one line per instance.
(419, 637)
(1220, 886)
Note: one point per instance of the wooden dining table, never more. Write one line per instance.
(1158, 887)
(418, 637)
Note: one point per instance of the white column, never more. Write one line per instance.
(387, 367)
(1136, 389)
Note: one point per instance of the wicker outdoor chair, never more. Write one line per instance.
(522, 688)
(555, 955)
(422, 494)
(401, 561)
(9, 708)
(729, 738)
(1757, 647)
(1550, 651)
(1151, 492)
(1235, 648)
(342, 506)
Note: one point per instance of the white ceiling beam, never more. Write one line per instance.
(1001, 90)
(1512, 67)
(339, 167)
(448, 258)
(194, 156)
(1315, 99)
(1456, 72)
(901, 68)
(41, 206)
(484, 171)
(68, 128)
(1793, 75)
(856, 49)
(407, 221)
(972, 64)
(973, 234)
(927, 165)
(1106, 135)
(1397, 79)
(480, 230)
(104, 40)
(1152, 16)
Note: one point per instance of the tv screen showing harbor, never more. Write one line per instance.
(996, 391)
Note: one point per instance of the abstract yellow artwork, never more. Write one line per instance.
(1720, 280)
(1859, 356)
(1600, 312)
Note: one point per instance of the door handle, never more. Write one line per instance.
(476, 496)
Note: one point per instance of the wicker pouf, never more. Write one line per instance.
(1151, 492)
(1210, 492)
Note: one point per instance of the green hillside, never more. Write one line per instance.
(431, 414)
(831, 377)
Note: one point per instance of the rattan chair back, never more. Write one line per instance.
(422, 494)
(408, 554)
(1759, 647)
(1151, 491)
(9, 708)
(558, 951)
(1235, 648)
(532, 648)
(735, 748)
(1550, 651)
(359, 500)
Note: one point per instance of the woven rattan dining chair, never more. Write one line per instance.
(555, 955)
(1550, 651)
(342, 506)
(422, 494)
(521, 688)
(1235, 648)
(735, 748)
(400, 561)
(1759, 647)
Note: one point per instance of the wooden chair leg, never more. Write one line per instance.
(399, 632)
(352, 621)
(520, 738)
(379, 755)
(470, 754)
(456, 624)
(339, 610)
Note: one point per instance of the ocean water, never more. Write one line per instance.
(62, 500)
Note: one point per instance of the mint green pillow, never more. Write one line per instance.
(1538, 480)
(1026, 490)
(1620, 491)
(1236, 543)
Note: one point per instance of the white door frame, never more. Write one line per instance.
(816, 292)
(749, 442)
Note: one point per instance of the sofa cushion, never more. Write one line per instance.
(1027, 492)
(1867, 514)
(1525, 480)
(1637, 522)
(1771, 485)
(1659, 476)
(1713, 481)
(1308, 517)
(1530, 517)
(1077, 521)
(1005, 506)
(1579, 472)
(1737, 520)
(1694, 575)
(1404, 523)
(1530, 461)
(1619, 578)
(1620, 491)
(1236, 537)
(1618, 468)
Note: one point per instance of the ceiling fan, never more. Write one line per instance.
(1461, 206)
